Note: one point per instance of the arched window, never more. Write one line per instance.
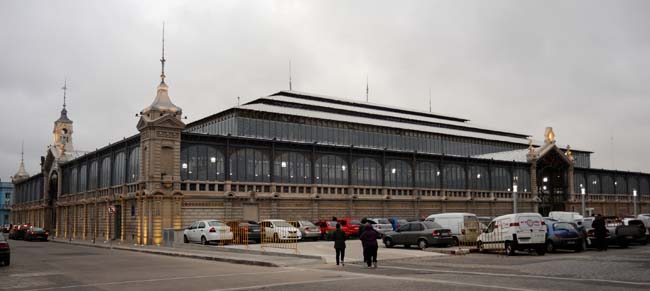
(94, 176)
(479, 178)
(427, 175)
(366, 172)
(72, 179)
(331, 170)
(397, 173)
(579, 182)
(502, 181)
(621, 185)
(249, 165)
(118, 169)
(83, 181)
(644, 188)
(105, 173)
(202, 163)
(607, 185)
(454, 176)
(593, 184)
(134, 165)
(292, 167)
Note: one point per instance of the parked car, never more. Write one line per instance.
(465, 227)
(36, 233)
(513, 232)
(18, 231)
(5, 250)
(381, 225)
(243, 230)
(207, 231)
(641, 235)
(278, 230)
(5, 228)
(620, 234)
(350, 226)
(307, 229)
(422, 234)
(326, 227)
(563, 235)
(397, 222)
(565, 216)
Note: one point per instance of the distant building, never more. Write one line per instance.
(6, 194)
(295, 155)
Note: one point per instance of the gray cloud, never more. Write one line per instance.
(580, 66)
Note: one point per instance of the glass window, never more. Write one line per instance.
(134, 165)
(83, 182)
(454, 176)
(118, 169)
(292, 167)
(522, 175)
(366, 172)
(331, 170)
(427, 175)
(398, 173)
(249, 165)
(479, 178)
(94, 175)
(501, 180)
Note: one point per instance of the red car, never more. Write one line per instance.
(350, 226)
(327, 227)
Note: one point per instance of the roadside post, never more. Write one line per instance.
(582, 198)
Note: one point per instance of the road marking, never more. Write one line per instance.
(36, 274)
(289, 284)
(521, 276)
(159, 279)
(422, 280)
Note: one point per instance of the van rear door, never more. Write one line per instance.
(530, 229)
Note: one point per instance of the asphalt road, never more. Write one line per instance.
(52, 266)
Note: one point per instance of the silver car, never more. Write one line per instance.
(381, 225)
(309, 230)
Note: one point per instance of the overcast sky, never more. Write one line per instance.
(582, 67)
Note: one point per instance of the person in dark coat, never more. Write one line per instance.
(369, 240)
(600, 233)
(339, 244)
(362, 228)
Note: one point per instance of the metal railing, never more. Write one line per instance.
(280, 238)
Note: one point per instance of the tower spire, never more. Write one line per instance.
(162, 60)
(367, 88)
(65, 89)
(22, 152)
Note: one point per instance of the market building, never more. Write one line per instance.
(296, 155)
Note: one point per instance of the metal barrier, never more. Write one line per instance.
(493, 241)
(280, 237)
(237, 232)
(470, 231)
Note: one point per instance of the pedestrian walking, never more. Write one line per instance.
(600, 233)
(339, 244)
(362, 228)
(369, 240)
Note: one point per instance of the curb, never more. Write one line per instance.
(455, 251)
(176, 254)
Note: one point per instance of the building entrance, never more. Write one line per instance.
(552, 182)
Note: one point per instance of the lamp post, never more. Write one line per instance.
(634, 201)
(583, 192)
(514, 196)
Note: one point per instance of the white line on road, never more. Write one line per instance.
(289, 284)
(159, 279)
(521, 276)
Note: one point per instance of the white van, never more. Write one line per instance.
(513, 232)
(565, 216)
(465, 227)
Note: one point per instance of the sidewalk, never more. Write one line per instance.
(213, 253)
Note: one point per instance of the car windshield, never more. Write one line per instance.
(307, 223)
(281, 224)
(332, 223)
(37, 229)
(587, 223)
(383, 221)
(355, 222)
(432, 225)
(216, 223)
(635, 222)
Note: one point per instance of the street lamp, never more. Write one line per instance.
(634, 201)
(514, 195)
(583, 192)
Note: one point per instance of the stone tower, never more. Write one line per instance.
(160, 127)
(63, 129)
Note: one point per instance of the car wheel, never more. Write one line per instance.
(204, 241)
(550, 248)
(276, 238)
(509, 251)
(185, 240)
(541, 250)
(623, 244)
(479, 246)
(423, 244)
(456, 241)
(644, 242)
(7, 261)
(407, 246)
(388, 243)
(580, 246)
